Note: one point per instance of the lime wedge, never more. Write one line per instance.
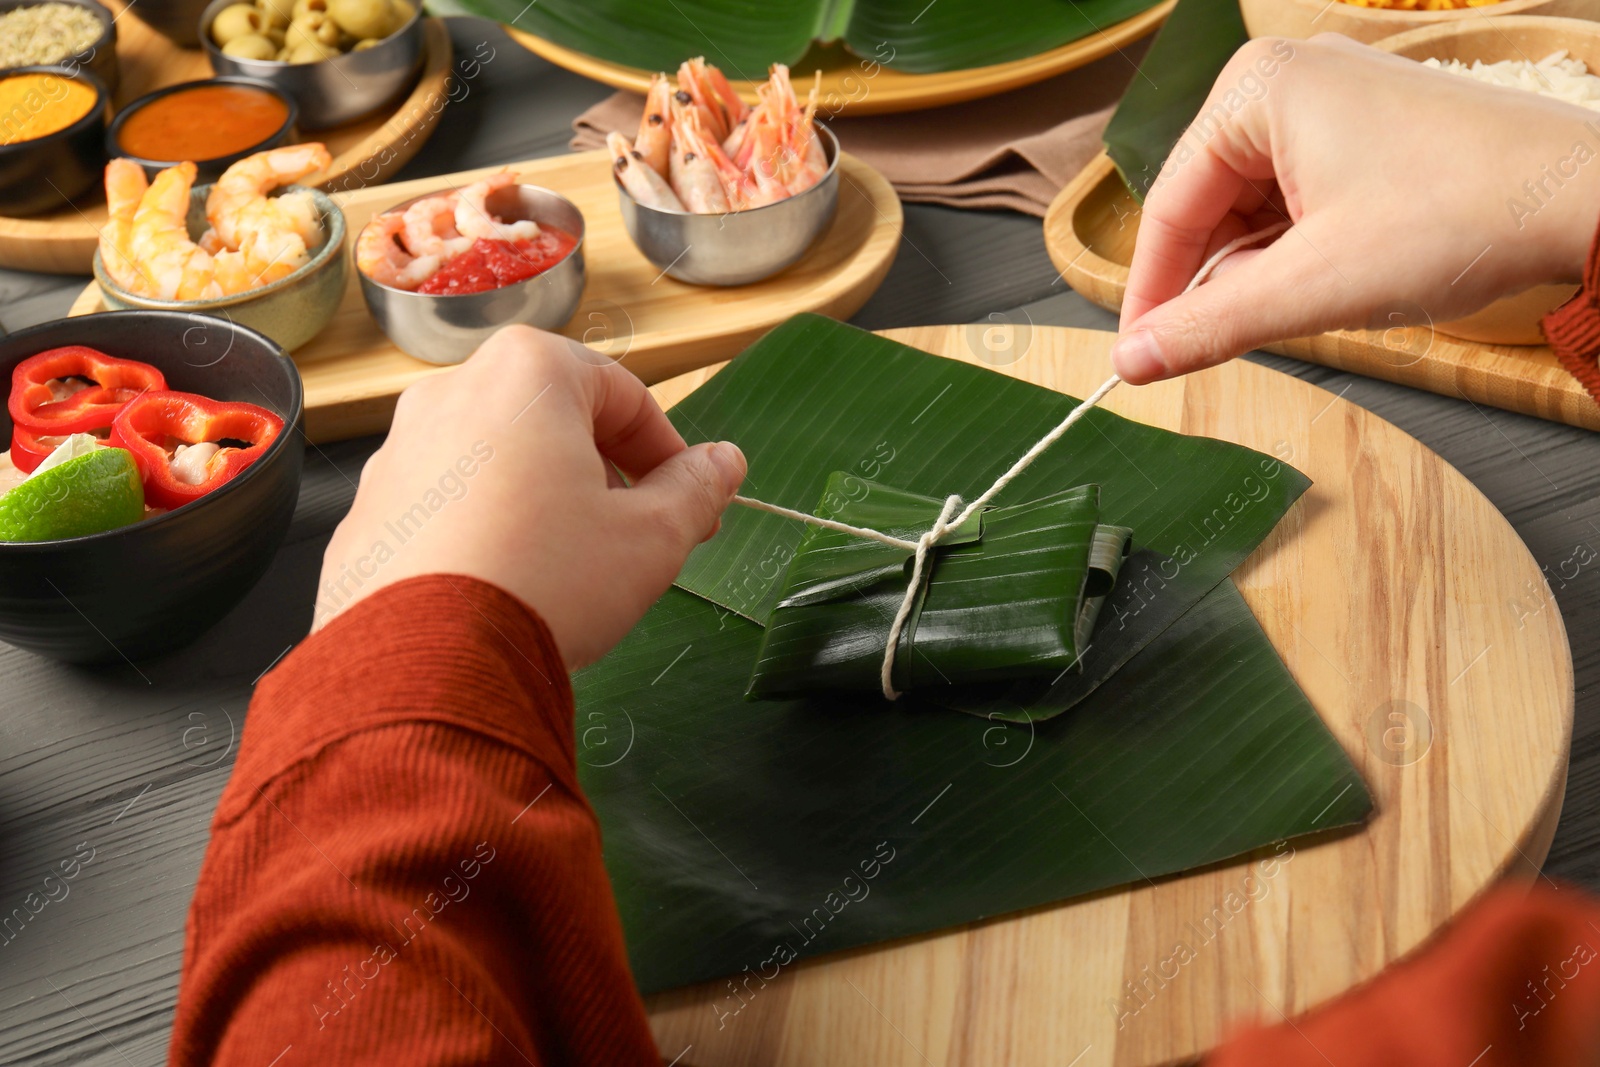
(83, 495)
(78, 444)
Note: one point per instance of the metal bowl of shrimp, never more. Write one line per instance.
(713, 196)
(406, 245)
(287, 285)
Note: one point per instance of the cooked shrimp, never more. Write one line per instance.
(804, 140)
(737, 187)
(704, 86)
(125, 187)
(430, 228)
(654, 143)
(171, 266)
(738, 140)
(190, 463)
(639, 178)
(693, 174)
(473, 218)
(381, 257)
(240, 210)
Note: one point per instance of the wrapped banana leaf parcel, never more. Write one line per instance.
(1085, 699)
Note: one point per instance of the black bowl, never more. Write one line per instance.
(206, 170)
(152, 586)
(100, 58)
(45, 173)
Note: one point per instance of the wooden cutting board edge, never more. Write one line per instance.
(1030, 988)
(1524, 379)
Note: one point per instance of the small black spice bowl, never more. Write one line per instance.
(45, 173)
(100, 58)
(152, 586)
(207, 170)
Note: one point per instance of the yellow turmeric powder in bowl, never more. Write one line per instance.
(36, 105)
(1421, 5)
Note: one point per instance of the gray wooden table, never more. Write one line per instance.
(126, 763)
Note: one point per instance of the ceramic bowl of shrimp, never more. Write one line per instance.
(265, 255)
(715, 192)
(143, 589)
(442, 272)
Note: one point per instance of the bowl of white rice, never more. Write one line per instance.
(1372, 20)
(1555, 57)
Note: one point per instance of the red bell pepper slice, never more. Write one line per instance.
(150, 424)
(29, 449)
(115, 381)
(37, 416)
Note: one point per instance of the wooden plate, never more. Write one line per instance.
(861, 87)
(631, 311)
(1423, 632)
(1304, 18)
(1090, 230)
(364, 152)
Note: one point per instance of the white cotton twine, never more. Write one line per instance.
(944, 524)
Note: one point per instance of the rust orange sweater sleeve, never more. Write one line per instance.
(402, 869)
(1573, 329)
(1515, 980)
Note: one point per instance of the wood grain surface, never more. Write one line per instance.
(861, 86)
(133, 761)
(655, 325)
(1090, 231)
(1401, 601)
(365, 152)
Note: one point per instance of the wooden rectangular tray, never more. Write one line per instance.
(656, 326)
(1090, 230)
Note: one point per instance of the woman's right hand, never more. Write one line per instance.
(1401, 183)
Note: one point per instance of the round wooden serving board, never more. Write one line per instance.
(364, 152)
(632, 312)
(861, 86)
(1090, 230)
(1424, 634)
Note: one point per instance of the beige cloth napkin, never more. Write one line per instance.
(1015, 150)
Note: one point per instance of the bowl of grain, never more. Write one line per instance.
(1373, 20)
(76, 34)
(1553, 56)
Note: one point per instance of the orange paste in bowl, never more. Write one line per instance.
(36, 105)
(206, 122)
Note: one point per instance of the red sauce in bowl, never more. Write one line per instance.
(206, 122)
(490, 264)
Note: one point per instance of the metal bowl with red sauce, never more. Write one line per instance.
(447, 326)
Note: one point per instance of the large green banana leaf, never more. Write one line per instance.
(742, 835)
(1177, 74)
(744, 37)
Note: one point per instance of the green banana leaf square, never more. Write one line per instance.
(744, 835)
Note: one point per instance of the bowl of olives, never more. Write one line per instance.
(339, 59)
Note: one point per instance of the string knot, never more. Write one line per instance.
(919, 561)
